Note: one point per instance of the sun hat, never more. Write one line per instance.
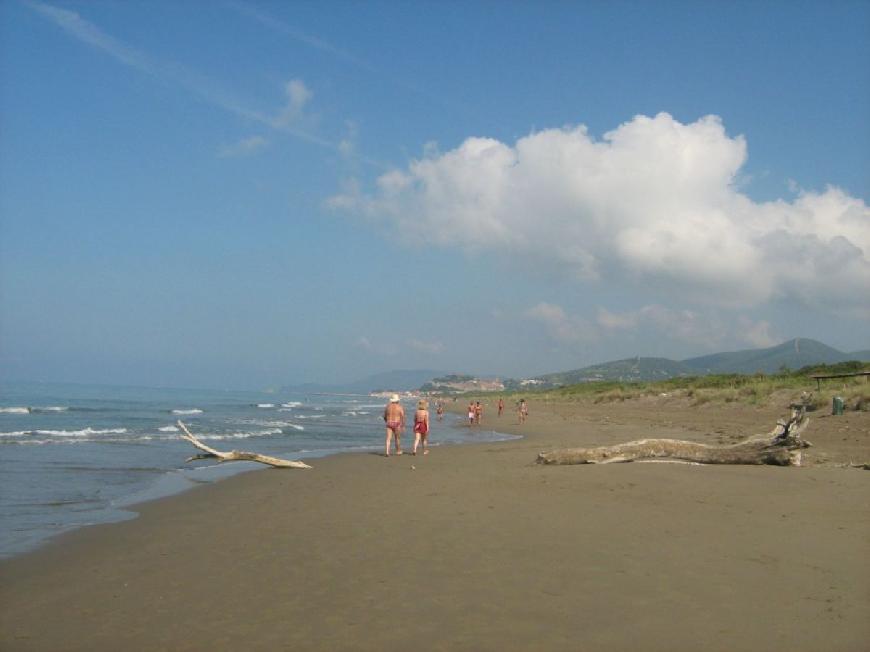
(394, 398)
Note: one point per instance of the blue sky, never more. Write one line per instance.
(246, 194)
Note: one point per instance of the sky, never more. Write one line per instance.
(239, 194)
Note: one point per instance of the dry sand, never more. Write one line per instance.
(477, 548)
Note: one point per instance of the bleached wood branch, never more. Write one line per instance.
(781, 447)
(237, 456)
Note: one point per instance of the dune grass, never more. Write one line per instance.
(755, 389)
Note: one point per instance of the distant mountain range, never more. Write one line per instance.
(793, 355)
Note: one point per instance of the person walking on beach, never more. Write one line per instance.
(478, 412)
(522, 411)
(421, 428)
(500, 406)
(439, 408)
(471, 413)
(394, 417)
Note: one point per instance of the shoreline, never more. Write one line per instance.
(177, 481)
(478, 548)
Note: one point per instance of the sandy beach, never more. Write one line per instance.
(475, 547)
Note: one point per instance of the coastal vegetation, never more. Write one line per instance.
(785, 386)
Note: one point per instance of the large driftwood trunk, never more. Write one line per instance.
(782, 447)
(237, 456)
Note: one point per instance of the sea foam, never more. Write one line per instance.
(244, 435)
(86, 432)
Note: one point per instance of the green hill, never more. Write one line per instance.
(628, 370)
(794, 354)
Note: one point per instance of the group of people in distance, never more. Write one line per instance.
(394, 418)
(475, 411)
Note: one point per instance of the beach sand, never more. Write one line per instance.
(477, 548)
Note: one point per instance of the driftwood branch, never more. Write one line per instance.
(236, 456)
(781, 447)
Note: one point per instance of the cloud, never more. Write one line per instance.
(560, 326)
(757, 334)
(683, 325)
(307, 39)
(704, 329)
(85, 31)
(654, 202)
(298, 95)
(380, 349)
(244, 147)
(287, 120)
(611, 321)
(88, 33)
(430, 348)
(323, 46)
(347, 147)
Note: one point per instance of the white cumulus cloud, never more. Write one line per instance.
(653, 201)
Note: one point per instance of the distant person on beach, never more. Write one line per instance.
(439, 408)
(478, 412)
(522, 410)
(500, 406)
(394, 417)
(421, 428)
(471, 413)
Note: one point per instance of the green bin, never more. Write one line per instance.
(837, 407)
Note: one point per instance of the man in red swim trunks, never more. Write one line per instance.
(394, 417)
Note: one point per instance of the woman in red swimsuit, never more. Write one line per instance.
(421, 428)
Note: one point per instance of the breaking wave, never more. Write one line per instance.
(243, 435)
(271, 423)
(190, 411)
(86, 432)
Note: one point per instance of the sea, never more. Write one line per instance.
(74, 455)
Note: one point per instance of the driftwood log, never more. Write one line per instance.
(781, 447)
(236, 456)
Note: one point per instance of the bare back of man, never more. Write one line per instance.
(394, 417)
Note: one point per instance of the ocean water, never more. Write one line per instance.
(73, 455)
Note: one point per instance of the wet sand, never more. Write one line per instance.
(477, 548)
